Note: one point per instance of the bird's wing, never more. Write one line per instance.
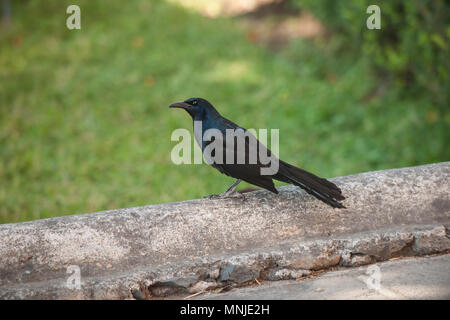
(248, 173)
(241, 159)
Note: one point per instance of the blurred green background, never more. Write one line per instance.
(84, 118)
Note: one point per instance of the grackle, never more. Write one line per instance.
(245, 169)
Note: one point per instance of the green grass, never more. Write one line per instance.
(85, 124)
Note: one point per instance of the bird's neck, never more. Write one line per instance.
(207, 119)
(206, 115)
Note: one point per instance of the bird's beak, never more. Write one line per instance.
(182, 105)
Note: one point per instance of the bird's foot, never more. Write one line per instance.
(226, 195)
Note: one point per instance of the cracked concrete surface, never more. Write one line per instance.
(410, 278)
(192, 246)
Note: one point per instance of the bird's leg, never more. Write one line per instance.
(229, 193)
(231, 189)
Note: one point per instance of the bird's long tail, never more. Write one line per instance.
(320, 188)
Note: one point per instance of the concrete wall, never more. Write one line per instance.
(191, 246)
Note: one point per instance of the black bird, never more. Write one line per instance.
(201, 110)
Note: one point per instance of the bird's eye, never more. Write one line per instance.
(194, 102)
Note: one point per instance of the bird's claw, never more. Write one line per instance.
(212, 196)
(226, 195)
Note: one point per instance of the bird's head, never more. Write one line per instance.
(198, 108)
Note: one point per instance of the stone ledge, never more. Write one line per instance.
(198, 245)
